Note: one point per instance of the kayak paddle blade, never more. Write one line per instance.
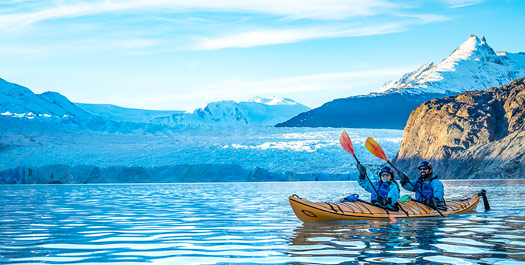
(375, 149)
(346, 143)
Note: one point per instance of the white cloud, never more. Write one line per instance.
(462, 3)
(326, 19)
(265, 37)
(281, 36)
(294, 9)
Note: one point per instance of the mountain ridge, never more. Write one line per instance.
(472, 66)
(19, 101)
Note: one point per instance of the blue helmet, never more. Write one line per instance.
(386, 169)
(424, 163)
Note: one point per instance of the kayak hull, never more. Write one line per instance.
(308, 211)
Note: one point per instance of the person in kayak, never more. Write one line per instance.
(428, 187)
(386, 187)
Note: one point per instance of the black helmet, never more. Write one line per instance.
(386, 169)
(424, 163)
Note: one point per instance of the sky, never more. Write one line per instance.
(181, 55)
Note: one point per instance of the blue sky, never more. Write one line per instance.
(179, 55)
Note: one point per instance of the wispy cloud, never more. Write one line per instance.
(271, 21)
(280, 36)
(294, 9)
(462, 3)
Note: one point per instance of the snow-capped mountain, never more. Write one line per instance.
(16, 100)
(472, 66)
(257, 111)
(19, 101)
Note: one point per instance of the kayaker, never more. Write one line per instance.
(430, 190)
(386, 187)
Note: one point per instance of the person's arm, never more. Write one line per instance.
(410, 186)
(393, 194)
(365, 184)
(405, 181)
(438, 189)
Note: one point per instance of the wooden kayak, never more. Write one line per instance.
(308, 211)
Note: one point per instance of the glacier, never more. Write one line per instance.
(46, 138)
(39, 151)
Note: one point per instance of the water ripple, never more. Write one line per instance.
(239, 223)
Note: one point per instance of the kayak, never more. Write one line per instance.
(308, 211)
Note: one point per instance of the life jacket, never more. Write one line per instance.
(382, 189)
(424, 189)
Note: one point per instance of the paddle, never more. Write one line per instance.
(346, 143)
(376, 150)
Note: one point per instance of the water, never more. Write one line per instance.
(234, 223)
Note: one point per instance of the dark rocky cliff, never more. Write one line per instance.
(476, 134)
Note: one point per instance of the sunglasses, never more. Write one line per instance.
(385, 175)
(423, 168)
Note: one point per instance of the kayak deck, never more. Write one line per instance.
(308, 211)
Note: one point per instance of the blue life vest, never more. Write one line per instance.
(382, 189)
(424, 189)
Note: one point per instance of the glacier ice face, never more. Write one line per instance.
(74, 155)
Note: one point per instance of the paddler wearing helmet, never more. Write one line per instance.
(428, 187)
(386, 187)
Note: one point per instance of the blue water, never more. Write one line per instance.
(234, 223)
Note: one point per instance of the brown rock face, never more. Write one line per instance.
(477, 134)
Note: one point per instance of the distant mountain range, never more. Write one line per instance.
(257, 111)
(472, 66)
(21, 102)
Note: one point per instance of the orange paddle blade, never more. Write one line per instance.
(346, 143)
(392, 219)
(374, 148)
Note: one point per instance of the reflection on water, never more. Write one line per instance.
(452, 240)
(225, 223)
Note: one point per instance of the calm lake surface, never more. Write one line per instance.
(240, 223)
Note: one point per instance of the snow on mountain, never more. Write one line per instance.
(472, 66)
(257, 111)
(19, 101)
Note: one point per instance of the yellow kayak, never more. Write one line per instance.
(308, 211)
